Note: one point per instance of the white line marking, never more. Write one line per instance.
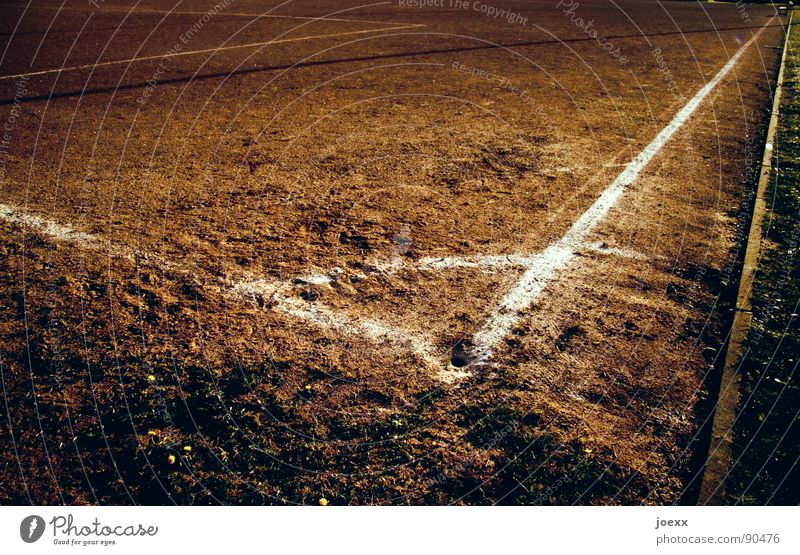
(66, 234)
(338, 321)
(481, 262)
(204, 51)
(545, 265)
(602, 248)
(251, 290)
(50, 228)
(494, 261)
(320, 278)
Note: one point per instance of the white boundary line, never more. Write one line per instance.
(493, 261)
(204, 51)
(278, 292)
(558, 255)
(50, 228)
(341, 322)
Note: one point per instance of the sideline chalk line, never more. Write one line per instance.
(544, 266)
(153, 11)
(203, 51)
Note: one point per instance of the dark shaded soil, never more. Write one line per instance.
(767, 445)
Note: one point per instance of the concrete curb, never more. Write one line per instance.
(718, 462)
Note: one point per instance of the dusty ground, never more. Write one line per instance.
(146, 359)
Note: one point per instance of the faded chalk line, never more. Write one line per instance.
(278, 292)
(50, 228)
(66, 234)
(494, 261)
(153, 11)
(203, 51)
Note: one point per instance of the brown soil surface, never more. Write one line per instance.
(349, 152)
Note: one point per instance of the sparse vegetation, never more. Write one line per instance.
(767, 442)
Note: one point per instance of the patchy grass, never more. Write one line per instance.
(767, 442)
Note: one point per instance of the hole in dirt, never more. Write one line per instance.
(461, 355)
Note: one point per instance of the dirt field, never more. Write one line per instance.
(281, 272)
